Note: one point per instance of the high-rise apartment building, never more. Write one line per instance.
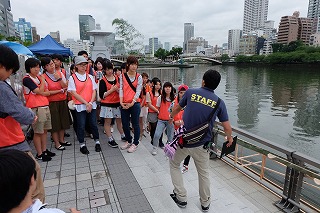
(153, 45)
(6, 19)
(188, 34)
(86, 23)
(314, 12)
(35, 36)
(292, 28)
(255, 15)
(234, 41)
(24, 28)
(56, 36)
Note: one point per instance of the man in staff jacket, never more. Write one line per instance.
(201, 100)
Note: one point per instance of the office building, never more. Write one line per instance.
(188, 34)
(255, 15)
(35, 36)
(234, 41)
(292, 28)
(248, 44)
(315, 40)
(77, 46)
(86, 23)
(55, 36)
(194, 45)
(314, 12)
(7, 27)
(153, 45)
(25, 29)
(167, 46)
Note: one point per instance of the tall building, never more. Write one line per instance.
(76, 46)
(292, 28)
(86, 23)
(255, 15)
(314, 12)
(25, 29)
(153, 45)
(6, 19)
(55, 36)
(188, 34)
(167, 46)
(35, 36)
(195, 45)
(234, 41)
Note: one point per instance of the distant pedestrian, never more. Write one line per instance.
(193, 101)
(130, 89)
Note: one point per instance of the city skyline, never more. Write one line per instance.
(164, 19)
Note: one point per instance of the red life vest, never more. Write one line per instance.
(128, 93)
(113, 97)
(55, 85)
(35, 100)
(86, 93)
(163, 110)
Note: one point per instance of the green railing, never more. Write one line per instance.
(293, 176)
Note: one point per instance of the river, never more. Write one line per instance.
(280, 103)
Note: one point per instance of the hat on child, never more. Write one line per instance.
(79, 60)
(183, 87)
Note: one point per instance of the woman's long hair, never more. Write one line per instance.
(163, 96)
(154, 82)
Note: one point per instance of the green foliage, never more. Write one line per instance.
(175, 52)
(225, 57)
(131, 36)
(13, 38)
(27, 43)
(161, 54)
(2, 37)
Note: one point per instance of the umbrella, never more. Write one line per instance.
(17, 48)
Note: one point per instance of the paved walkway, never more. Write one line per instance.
(116, 181)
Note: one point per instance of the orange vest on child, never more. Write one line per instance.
(83, 89)
(113, 97)
(153, 101)
(163, 110)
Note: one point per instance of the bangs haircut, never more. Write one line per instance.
(31, 63)
(9, 59)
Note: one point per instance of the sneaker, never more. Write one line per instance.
(124, 138)
(154, 151)
(113, 144)
(91, 136)
(132, 148)
(50, 154)
(184, 169)
(205, 209)
(97, 147)
(181, 204)
(126, 145)
(43, 157)
(111, 129)
(84, 150)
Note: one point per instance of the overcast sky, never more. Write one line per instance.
(162, 18)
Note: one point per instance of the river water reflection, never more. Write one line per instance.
(279, 103)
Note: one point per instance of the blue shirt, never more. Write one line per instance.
(199, 103)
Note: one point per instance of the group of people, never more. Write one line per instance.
(96, 90)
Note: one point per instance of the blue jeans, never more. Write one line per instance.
(161, 125)
(132, 114)
(81, 123)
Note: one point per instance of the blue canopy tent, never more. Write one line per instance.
(17, 48)
(49, 46)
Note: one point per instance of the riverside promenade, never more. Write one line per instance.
(116, 181)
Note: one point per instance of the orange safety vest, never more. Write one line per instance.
(179, 115)
(113, 97)
(153, 101)
(128, 93)
(11, 132)
(163, 110)
(86, 93)
(55, 85)
(35, 100)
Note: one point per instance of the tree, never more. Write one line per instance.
(176, 51)
(161, 53)
(225, 57)
(131, 36)
(2, 37)
(13, 38)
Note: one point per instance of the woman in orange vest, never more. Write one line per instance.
(177, 121)
(13, 114)
(83, 88)
(110, 102)
(164, 104)
(151, 99)
(144, 105)
(130, 89)
(36, 93)
(57, 86)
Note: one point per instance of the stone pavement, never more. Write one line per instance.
(116, 181)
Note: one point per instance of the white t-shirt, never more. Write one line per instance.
(72, 87)
(36, 207)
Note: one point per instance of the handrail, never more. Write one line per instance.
(297, 170)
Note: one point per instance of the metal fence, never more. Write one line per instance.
(290, 174)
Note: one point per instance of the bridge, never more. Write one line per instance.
(213, 60)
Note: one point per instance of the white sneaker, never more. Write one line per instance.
(154, 151)
(111, 129)
(125, 146)
(132, 148)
